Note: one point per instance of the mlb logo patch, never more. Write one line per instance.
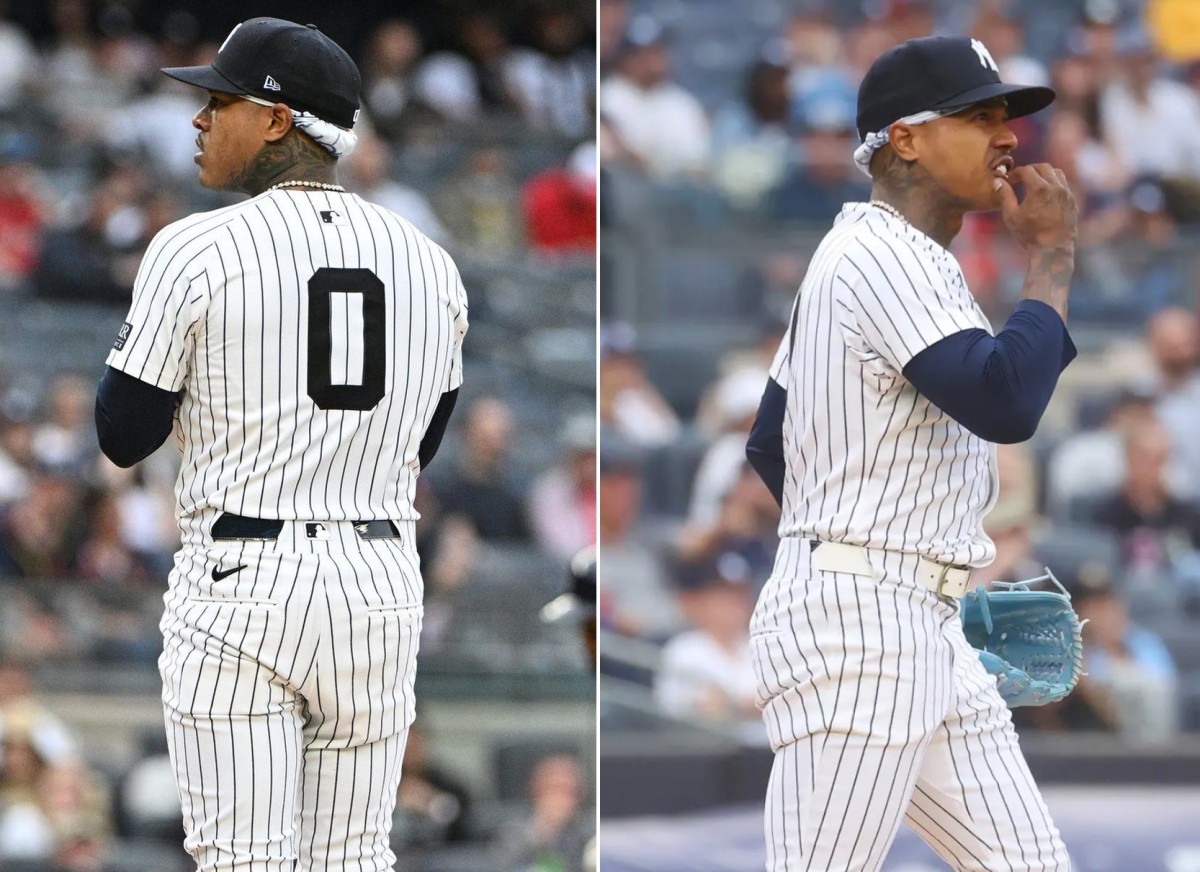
(122, 336)
(329, 216)
(317, 531)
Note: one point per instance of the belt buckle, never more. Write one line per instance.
(942, 578)
(941, 582)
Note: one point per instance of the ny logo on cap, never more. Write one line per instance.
(985, 56)
(271, 85)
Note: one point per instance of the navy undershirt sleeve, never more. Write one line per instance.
(997, 387)
(764, 449)
(133, 418)
(437, 427)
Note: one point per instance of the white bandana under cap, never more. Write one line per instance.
(875, 141)
(338, 141)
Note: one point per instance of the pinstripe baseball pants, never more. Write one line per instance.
(288, 692)
(878, 710)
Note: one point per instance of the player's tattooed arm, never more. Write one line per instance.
(1049, 278)
(1046, 224)
(295, 157)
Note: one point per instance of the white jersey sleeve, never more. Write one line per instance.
(458, 305)
(170, 296)
(900, 303)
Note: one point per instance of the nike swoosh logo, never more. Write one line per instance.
(217, 575)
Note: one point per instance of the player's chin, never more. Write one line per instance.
(986, 198)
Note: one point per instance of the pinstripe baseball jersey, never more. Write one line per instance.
(312, 334)
(869, 460)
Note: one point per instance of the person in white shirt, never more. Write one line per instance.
(1153, 122)
(663, 126)
(706, 672)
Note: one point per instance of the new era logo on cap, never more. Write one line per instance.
(271, 85)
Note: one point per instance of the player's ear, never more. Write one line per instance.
(901, 139)
(279, 124)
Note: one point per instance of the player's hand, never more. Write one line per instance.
(1047, 217)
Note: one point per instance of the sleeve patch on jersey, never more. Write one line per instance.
(122, 336)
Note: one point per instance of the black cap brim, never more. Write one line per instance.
(203, 77)
(1022, 99)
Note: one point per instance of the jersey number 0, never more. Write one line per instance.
(346, 284)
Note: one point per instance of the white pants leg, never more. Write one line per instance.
(874, 702)
(288, 692)
(975, 802)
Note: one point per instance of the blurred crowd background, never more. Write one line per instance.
(726, 135)
(478, 126)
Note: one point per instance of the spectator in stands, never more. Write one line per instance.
(39, 534)
(478, 487)
(156, 128)
(557, 829)
(1174, 339)
(1129, 684)
(554, 84)
(481, 206)
(628, 404)
(389, 78)
(103, 557)
(1153, 121)
(562, 501)
(816, 190)
(34, 743)
(78, 263)
(18, 62)
(560, 207)
(77, 808)
(612, 24)
(705, 672)
(753, 137)
(746, 523)
(67, 439)
(1011, 521)
(16, 453)
(369, 175)
(432, 805)
(448, 563)
(1156, 528)
(662, 125)
(1173, 336)
(634, 597)
(736, 404)
(1090, 464)
(472, 81)
(1098, 178)
(23, 211)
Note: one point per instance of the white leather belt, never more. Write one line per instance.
(942, 579)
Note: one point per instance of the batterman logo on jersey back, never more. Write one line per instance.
(123, 336)
(329, 216)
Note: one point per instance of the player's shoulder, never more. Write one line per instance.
(865, 235)
(404, 230)
(199, 229)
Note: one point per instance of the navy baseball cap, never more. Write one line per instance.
(283, 62)
(937, 73)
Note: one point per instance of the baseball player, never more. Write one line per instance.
(876, 433)
(305, 345)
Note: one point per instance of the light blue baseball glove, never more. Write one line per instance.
(1031, 640)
